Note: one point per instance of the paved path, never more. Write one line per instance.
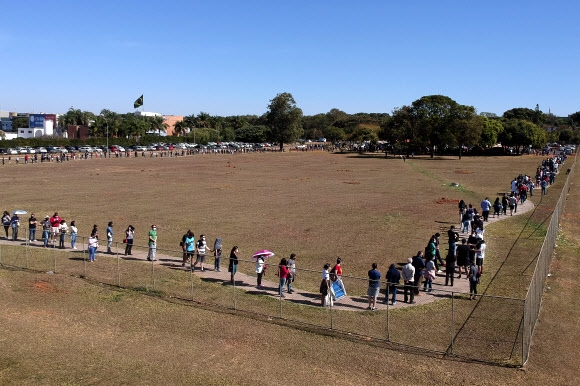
(353, 302)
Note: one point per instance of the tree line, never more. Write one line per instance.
(434, 123)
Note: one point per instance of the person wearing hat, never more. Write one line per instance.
(408, 274)
(45, 230)
(32, 227)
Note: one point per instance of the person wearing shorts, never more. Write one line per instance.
(374, 287)
(201, 247)
(54, 225)
(189, 243)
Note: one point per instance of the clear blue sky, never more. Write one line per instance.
(232, 57)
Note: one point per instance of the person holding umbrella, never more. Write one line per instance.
(260, 258)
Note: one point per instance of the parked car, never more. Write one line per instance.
(140, 148)
(12, 151)
(86, 149)
(41, 150)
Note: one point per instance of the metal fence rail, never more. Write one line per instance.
(533, 300)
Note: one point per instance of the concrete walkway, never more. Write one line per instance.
(353, 302)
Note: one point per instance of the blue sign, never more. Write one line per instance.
(36, 120)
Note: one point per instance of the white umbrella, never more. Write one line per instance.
(19, 211)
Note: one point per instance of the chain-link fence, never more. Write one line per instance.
(533, 300)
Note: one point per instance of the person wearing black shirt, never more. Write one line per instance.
(463, 256)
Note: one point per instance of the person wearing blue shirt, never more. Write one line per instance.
(374, 287)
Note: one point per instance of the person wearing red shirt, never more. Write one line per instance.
(283, 273)
(54, 224)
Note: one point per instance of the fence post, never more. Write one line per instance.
(84, 257)
(234, 289)
(388, 321)
(191, 279)
(331, 305)
(153, 273)
(0, 254)
(452, 319)
(27, 249)
(118, 265)
(54, 251)
(524, 332)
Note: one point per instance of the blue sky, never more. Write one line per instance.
(233, 57)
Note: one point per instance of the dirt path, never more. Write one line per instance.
(352, 302)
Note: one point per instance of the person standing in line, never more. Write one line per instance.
(419, 269)
(129, 235)
(217, 253)
(32, 228)
(393, 279)
(110, 234)
(473, 278)
(201, 248)
(6, 222)
(73, 234)
(496, 207)
(450, 268)
(504, 204)
(15, 224)
(463, 257)
(408, 274)
(544, 185)
(291, 272)
(54, 225)
(485, 207)
(93, 245)
(62, 230)
(189, 243)
(429, 275)
(233, 266)
(324, 284)
(513, 202)
(283, 273)
(453, 238)
(183, 246)
(46, 230)
(374, 287)
(260, 270)
(152, 237)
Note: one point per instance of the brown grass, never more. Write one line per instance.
(303, 203)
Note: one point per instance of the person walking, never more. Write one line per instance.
(6, 222)
(32, 227)
(110, 234)
(129, 236)
(73, 234)
(393, 279)
(233, 266)
(152, 243)
(184, 248)
(283, 273)
(544, 185)
(408, 275)
(374, 287)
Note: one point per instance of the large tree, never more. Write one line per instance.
(284, 119)
(436, 115)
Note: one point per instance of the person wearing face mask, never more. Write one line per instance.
(152, 243)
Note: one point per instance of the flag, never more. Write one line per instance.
(138, 102)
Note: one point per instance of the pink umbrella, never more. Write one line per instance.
(264, 253)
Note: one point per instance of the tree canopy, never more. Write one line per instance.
(284, 119)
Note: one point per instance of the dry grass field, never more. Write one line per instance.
(317, 205)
